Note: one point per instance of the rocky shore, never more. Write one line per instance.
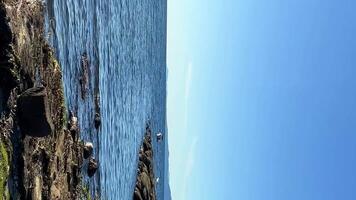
(145, 182)
(40, 158)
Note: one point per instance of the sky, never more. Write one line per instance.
(262, 99)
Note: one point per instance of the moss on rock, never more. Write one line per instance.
(4, 171)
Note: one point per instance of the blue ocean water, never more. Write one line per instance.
(125, 41)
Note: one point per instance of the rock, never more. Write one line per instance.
(73, 129)
(85, 75)
(97, 120)
(33, 113)
(37, 189)
(148, 154)
(145, 183)
(88, 150)
(92, 167)
(147, 161)
(147, 145)
(73, 126)
(145, 193)
(55, 193)
(137, 195)
(145, 180)
(8, 79)
(40, 168)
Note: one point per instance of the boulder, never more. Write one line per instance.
(33, 113)
(88, 150)
(92, 167)
(97, 120)
(73, 123)
(73, 126)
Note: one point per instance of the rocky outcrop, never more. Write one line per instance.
(38, 167)
(84, 79)
(145, 184)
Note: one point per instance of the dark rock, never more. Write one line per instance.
(148, 154)
(8, 79)
(92, 167)
(74, 131)
(33, 113)
(145, 184)
(97, 120)
(147, 144)
(88, 150)
(85, 75)
(73, 126)
(137, 195)
(147, 161)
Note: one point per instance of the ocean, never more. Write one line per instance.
(125, 44)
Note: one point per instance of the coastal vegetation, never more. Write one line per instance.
(4, 171)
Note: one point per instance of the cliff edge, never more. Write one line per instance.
(39, 157)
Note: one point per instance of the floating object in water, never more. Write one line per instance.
(159, 137)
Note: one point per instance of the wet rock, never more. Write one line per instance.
(85, 75)
(97, 120)
(147, 145)
(92, 167)
(147, 161)
(88, 150)
(137, 195)
(73, 126)
(33, 113)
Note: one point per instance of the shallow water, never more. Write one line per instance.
(126, 41)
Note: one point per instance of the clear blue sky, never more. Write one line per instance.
(262, 99)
